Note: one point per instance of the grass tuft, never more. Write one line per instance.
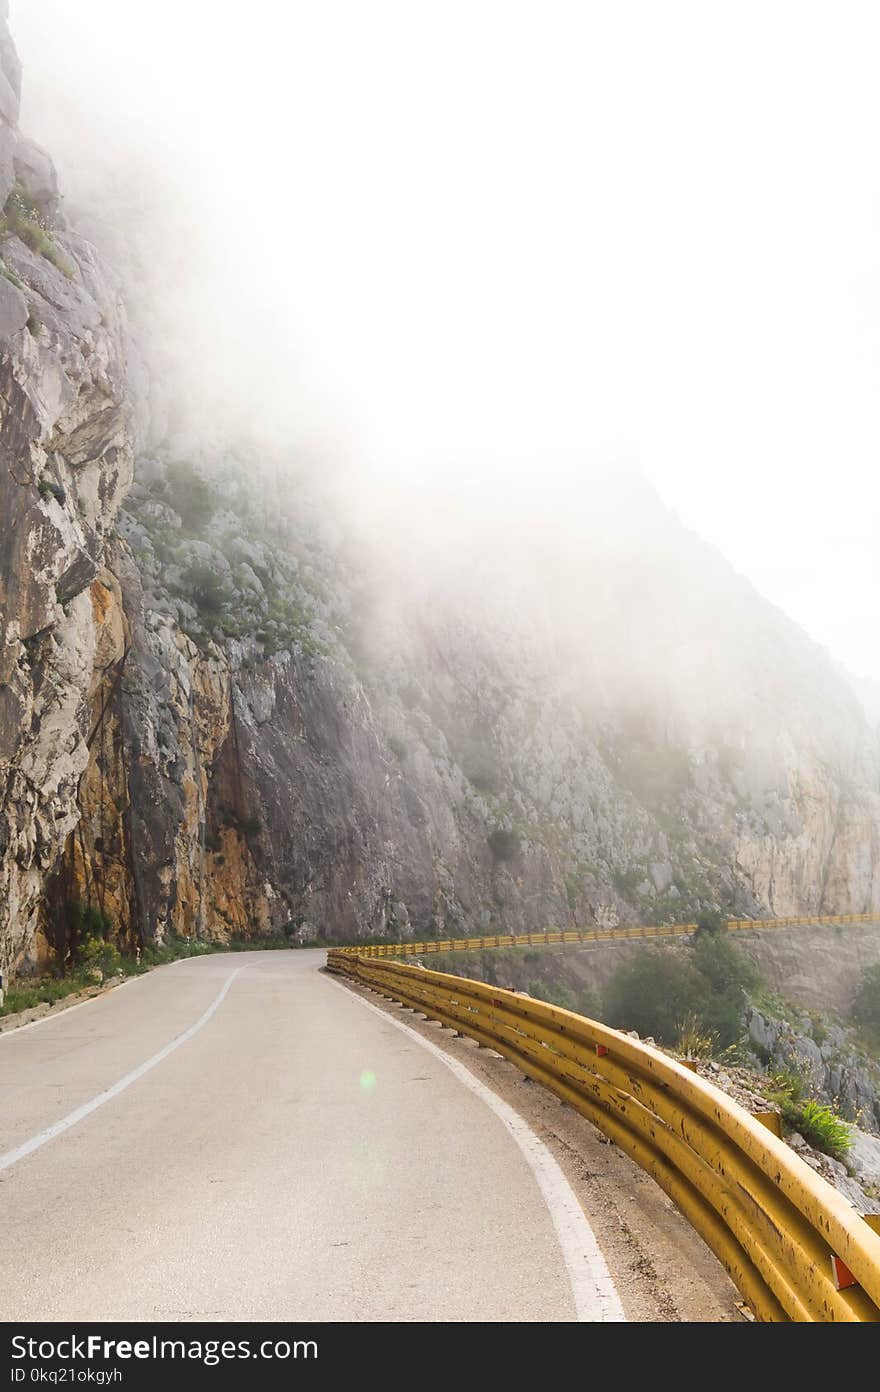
(21, 217)
(102, 957)
(818, 1124)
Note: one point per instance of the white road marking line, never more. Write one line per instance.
(16, 1030)
(592, 1286)
(13, 1156)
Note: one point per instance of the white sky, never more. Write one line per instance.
(526, 228)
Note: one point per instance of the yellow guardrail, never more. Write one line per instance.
(778, 1228)
(555, 936)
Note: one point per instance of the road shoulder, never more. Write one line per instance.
(662, 1269)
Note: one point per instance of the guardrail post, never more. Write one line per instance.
(843, 1277)
(772, 1120)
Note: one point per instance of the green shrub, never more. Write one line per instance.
(710, 922)
(730, 977)
(787, 1086)
(626, 882)
(44, 992)
(22, 218)
(819, 1125)
(25, 203)
(556, 994)
(816, 1122)
(654, 993)
(96, 954)
(77, 923)
(671, 995)
(207, 589)
(722, 964)
(504, 845)
(173, 949)
(191, 496)
(94, 922)
(818, 1030)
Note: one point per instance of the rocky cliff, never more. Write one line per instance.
(65, 462)
(229, 706)
(366, 757)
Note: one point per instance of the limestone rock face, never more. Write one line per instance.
(827, 1058)
(271, 751)
(65, 462)
(301, 757)
(219, 716)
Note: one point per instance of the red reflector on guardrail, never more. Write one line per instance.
(843, 1277)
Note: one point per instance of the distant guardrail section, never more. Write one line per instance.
(555, 936)
(792, 1244)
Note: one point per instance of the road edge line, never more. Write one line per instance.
(58, 1128)
(101, 993)
(595, 1295)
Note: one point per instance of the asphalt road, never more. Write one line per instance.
(240, 1137)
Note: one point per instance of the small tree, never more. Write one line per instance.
(723, 966)
(729, 976)
(710, 922)
(207, 588)
(670, 995)
(655, 994)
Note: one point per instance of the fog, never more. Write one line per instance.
(467, 254)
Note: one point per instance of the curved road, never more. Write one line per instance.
(240, 1137)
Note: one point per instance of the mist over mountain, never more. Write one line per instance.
(257, 680)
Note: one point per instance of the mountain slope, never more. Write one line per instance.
(371, 752)
(257, 700)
